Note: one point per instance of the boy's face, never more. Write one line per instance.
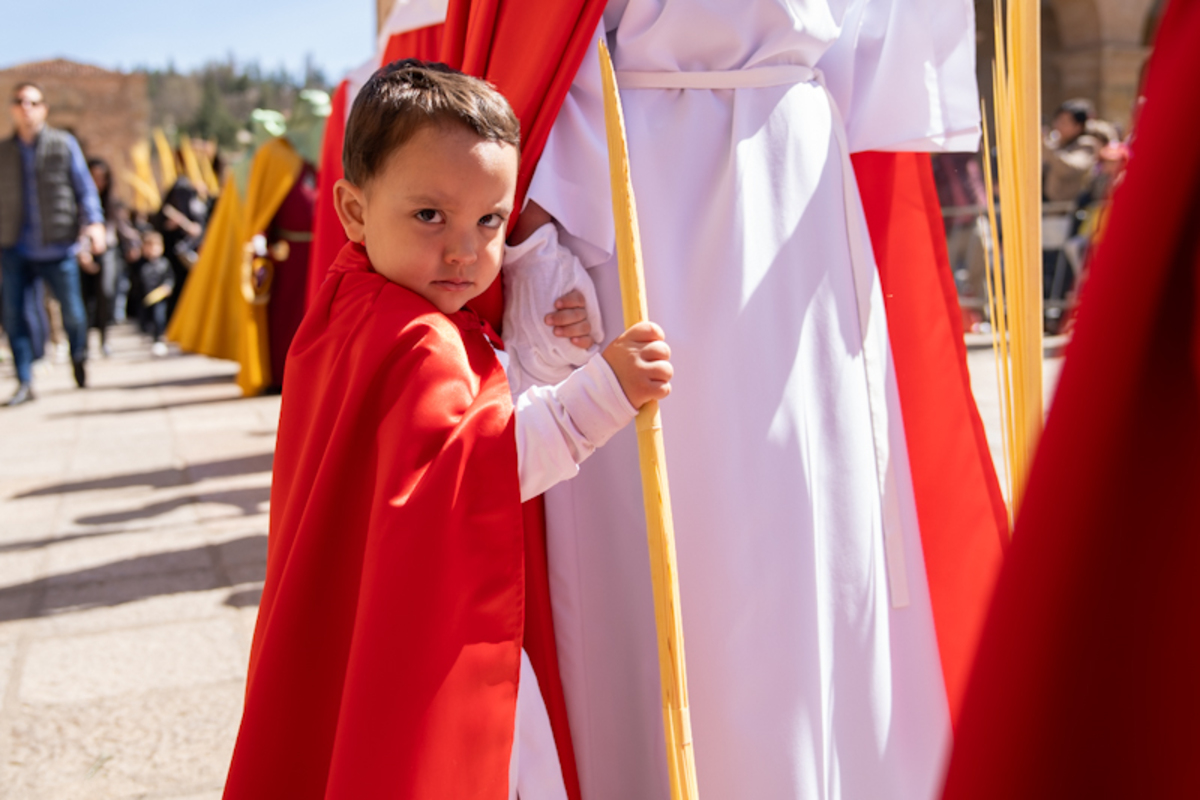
(152, 247)
(433, 220)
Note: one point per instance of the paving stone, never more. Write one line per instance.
(132, 550)
(79, 669)
(140, 601)
(150, 744)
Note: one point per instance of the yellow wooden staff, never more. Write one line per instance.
(660, 530)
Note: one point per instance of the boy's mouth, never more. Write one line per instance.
(454, 284)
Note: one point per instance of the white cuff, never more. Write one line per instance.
(558, 427)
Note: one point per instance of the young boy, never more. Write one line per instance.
(388, 650)
(158, 284)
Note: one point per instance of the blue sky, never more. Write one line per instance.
(123, 34)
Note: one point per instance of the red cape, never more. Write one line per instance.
(328, 235)
(1087, 681)
(387, 651)
(961, 512)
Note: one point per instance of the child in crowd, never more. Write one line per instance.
(157, 283)
(389, 645)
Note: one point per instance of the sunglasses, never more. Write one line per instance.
(26, 102)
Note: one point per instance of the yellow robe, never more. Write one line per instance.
(213, 316)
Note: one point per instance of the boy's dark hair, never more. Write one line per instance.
(407, 95)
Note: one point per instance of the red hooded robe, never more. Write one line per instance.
(387, 651)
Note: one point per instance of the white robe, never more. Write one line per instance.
(805, 682)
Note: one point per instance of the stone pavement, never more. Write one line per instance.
(132, 545)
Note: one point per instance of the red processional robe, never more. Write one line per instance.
(531, 53)
(386, 656)
(1086, 678)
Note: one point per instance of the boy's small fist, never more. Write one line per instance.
(640, 357)
(570, 319)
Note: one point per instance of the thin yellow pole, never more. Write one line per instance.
(660, 530)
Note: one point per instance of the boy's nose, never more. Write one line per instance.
(460, 250)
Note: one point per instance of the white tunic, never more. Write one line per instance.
(805, 682)
(568, 402)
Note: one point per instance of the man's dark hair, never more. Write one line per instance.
(16, 90)
(1079, 109)
(407, 95)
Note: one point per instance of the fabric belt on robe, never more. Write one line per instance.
(862, 268)
(300, 237)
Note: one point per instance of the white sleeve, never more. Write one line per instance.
(536, 273)
(557, 427)
(903, 75)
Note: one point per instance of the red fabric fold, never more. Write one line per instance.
(328, 235)
(1086, 679)
(386, 656)
(530, 52)
(964, 524)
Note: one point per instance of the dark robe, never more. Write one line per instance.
(293, 223)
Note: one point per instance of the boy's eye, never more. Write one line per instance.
(429, 215)
(491, 221)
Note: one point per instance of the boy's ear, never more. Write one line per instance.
(351, 203)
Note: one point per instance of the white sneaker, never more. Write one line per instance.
(159, 349)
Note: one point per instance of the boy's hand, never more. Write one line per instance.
(640, 357)
(570, 320)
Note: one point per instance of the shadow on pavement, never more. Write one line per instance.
(246, 500)
(244, 598)
(161, 478)
(198, 380)
(130, 580)
(96, 412)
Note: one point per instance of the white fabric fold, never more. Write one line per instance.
(536, 273)
(534, 770)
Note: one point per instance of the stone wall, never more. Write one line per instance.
(108, 112)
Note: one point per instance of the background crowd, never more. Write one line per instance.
(1083, 158)
(75, 257)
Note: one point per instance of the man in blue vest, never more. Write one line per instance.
(47, 198)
